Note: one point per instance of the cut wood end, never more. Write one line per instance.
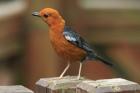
(14, 89)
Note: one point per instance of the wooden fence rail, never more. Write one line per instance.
(70, 84)
(108, 86)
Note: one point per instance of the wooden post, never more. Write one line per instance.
(14, 89)
(55, 85)
(108, 86)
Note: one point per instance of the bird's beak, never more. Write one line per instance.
(36, 14)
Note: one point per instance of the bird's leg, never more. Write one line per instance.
(64, 71)
(80, 68)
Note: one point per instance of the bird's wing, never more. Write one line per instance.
(76, 39)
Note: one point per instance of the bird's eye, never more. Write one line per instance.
(46, 15)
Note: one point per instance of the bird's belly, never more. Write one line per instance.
(68, 51)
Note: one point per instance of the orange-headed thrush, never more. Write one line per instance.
(68, 44)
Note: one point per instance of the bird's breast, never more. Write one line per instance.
(65, 49)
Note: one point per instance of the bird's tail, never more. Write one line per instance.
(92, 56)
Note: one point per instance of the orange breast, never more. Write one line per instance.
(65, 49)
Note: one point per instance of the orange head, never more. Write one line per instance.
(50, 16)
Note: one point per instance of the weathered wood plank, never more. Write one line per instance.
(55, 85)
(14, 89)
(108, 86)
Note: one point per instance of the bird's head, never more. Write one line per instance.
(50, 16)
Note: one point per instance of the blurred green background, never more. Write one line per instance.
(112, 27)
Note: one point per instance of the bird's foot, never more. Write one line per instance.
(78, 77)
(60, 77)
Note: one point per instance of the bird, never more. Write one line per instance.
(67, 43)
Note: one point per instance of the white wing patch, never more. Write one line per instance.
(70, 38)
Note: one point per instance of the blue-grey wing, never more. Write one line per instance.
(76, 39)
